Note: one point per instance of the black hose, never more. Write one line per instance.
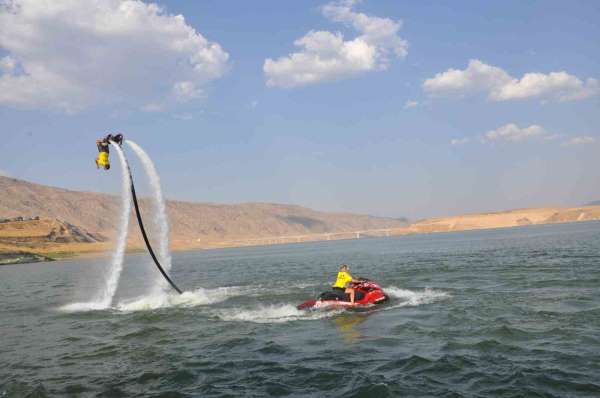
(141, 224)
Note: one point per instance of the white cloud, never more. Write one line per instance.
(187, 90)
(327, 56)
(513, 133)
(479, 77)
(459, 141)
(152, 107)
(553, 137)
(410, 104)
(7, 64)
(556, 85)
(382, 33)
(75, 53)
(583, 140)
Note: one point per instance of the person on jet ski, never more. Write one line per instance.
(344, 281)
(103, 151)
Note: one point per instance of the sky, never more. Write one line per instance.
(387, 108)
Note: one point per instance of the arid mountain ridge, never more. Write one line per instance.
(192, 224)
(54, 221)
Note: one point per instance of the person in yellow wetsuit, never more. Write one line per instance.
(102, 159)
(103, 149)
(343, 282)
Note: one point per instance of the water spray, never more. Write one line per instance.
(128, 187)
(159, 207)
(145, 236)
(116, 267)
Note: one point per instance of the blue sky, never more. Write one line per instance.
(457, 108)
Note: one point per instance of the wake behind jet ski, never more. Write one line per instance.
(367, 292)
(103, 149)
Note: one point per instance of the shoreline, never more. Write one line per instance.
(22, 257)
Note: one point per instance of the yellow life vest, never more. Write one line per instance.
(103, 159)
(342, 279)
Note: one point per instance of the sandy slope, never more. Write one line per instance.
(503, 219)
(67, 215)
(74, 222)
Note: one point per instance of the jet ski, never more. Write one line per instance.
(366, 292)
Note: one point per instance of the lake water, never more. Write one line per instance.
(507, 313)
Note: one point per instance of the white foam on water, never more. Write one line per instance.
(278, 313)
(159, 211)
(83, 307)
(165, 300)
(281, 313)
(186, 299)
(410, 298)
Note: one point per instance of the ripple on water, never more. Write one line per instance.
(16, 389)
(412, 364)
(142, 333)
(503, 317)
(271, 348)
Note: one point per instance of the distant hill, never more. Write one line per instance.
(192, 224)
(38, 221)
(503, 219)
(594, 203)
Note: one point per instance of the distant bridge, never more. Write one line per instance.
(269, 240)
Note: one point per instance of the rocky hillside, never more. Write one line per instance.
(38, 221)
(192, 224)
(44, 231)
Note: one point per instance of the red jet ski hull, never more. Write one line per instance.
(366, 292)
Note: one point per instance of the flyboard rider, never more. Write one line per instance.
(103, 149)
